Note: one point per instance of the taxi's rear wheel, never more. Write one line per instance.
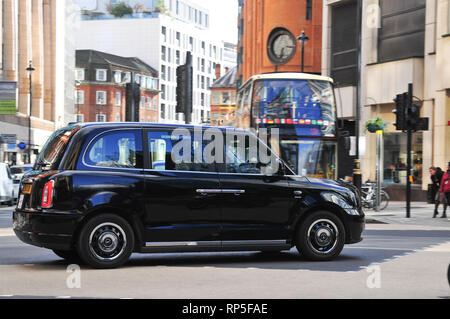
(105, 241)
(320, 236)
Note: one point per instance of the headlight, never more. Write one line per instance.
(340, 201)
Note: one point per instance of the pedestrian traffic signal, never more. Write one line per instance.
(401, 102)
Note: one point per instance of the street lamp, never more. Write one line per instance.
(303, 39)
(77, 86)
(30, 70)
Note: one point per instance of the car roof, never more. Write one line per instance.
(152, 125)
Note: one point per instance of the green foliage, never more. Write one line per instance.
(375, 125)
(159, 7)
(119, 9)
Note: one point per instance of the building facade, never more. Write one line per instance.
(36, 32)
(223, 99)
(100, 93)
(397, 43)
(160, 35)
(267, 37)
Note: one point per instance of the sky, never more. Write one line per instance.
(223, 17)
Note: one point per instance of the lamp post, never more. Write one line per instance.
(303, 39)
(30, 70)
(77, 89)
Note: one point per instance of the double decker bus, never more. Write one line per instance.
(302, 106)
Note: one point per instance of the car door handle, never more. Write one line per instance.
(205, 192)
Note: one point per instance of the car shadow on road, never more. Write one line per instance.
(379, 246)
(349, 260)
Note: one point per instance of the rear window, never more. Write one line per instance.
(53, 149)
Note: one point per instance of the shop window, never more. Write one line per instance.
(395, 158)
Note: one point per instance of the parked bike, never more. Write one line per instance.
(368, 196)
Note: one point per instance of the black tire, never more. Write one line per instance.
(384, 200)
(105, 241)
(69, 255)
(320, 236)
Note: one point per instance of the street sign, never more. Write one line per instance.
(8, 138)
(8, 97)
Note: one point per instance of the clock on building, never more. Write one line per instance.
(281, 46)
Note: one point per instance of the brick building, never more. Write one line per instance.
(223, 98)
(100, 93)
(267, 37)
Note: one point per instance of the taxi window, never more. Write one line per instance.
(121, 149)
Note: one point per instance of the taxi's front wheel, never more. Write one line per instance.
(105, 241)
(321, 236)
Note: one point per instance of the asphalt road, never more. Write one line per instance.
(393, 261)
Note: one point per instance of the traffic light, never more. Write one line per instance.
(415, 122)
(132, 98)
(181, 89)
(401, 103)
(184, 88)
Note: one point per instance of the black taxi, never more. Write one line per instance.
(100, 191)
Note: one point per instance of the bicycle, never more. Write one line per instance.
(368, 196)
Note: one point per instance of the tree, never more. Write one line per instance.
(139, 7)
(119, 9)
(159, 7)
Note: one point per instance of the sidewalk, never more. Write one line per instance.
(421, 213)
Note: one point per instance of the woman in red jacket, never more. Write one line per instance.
(445, 187)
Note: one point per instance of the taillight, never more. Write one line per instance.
(47, 195)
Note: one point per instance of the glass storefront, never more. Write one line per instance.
(395, 157)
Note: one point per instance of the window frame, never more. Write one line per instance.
(118, 98)
(97, 97)
(140, 141)
(169, 130)
(98, 115)
(79, 97)
(79, 71)
(97, 75)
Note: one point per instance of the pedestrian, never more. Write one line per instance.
(445, 188)
(436, 175)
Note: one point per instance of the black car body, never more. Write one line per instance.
(101, 191)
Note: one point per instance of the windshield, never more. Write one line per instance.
(54, 147)
(312, 158)
(304, 107)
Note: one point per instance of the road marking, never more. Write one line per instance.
(380, 248)
(6, 232)
(445, 247)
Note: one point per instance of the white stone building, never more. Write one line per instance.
(39, 31)
(396, 42)
(160, 35)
